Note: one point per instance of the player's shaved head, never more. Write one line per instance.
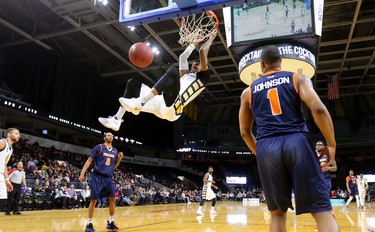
(270, 55)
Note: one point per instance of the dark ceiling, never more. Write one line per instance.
(91, 35)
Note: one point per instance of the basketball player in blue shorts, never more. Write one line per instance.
(323, 159)
(106, 159)
(352, 188)
(174, 90)
(285, 156)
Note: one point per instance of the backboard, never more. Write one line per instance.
(136, 12)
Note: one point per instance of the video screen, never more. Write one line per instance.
(370, 178)
(236, 180)
(262, 19)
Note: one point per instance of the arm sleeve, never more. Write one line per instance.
(183, 63)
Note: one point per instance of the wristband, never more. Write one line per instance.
(7, 179)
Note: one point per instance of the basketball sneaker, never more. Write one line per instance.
(199, 211)
(199, 219)
(89, 228)
(111, 122)
(112, 226)
(131, 104)
(212, 211)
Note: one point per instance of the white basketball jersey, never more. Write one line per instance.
(190, 87)
(210, 180)
(5, 155)
(362, 182)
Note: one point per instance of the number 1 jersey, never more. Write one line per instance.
(276, 105)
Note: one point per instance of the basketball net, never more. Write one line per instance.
(196, 28)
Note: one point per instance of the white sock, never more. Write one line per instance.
(111, 219)
(212, 208)
(120, 113)
(144, 99)
(200, 208)
(89, 221)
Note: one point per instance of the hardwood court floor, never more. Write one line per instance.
(232, 216)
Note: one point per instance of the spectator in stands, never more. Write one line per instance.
(124, 200)
(198, 197)
(74, 201)
(37, 187)
(240, 195)
(47, 189)
(151, 193)
(73, 177)
(55, 189)
(172, 197)
(164, 195)
(85, 194)
(231, 196)
(63, 197)
(28, 171)
(333, 194)
(128, 192)
(185, 197)
(65, 179)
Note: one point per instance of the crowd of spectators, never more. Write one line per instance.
(52, 182)
(343, 194)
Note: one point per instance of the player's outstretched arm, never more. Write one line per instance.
(320, 114)
(84, 169)
(246, 120)
(183, 64)
(203, 51)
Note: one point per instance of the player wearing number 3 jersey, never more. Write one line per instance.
(285, 156)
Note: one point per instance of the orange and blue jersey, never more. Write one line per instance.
(274, 99)
(104, 159)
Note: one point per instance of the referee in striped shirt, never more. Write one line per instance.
(16, 177)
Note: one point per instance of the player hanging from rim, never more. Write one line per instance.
(174, 90)
(207, 192)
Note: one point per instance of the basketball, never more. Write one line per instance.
(140, 55)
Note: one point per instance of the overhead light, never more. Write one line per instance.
(132, 28)
(105, 2)
(155, 50)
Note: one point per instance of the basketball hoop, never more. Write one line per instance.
(196, 28)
